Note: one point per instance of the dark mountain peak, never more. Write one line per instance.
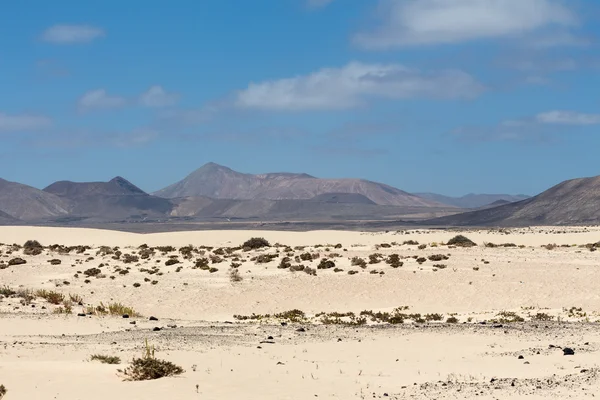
(117, 186)
(572, 202)
(126, 186)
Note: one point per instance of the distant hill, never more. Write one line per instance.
(322, 208)
(116, 199)
(574, 202)
(472, 200)
(219, 182)
(6, 219)
(28, 203)
(115, 187)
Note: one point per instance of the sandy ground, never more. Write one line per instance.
(485, 355)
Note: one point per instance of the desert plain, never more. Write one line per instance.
(324, 314)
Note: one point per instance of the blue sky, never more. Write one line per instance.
(448, 96)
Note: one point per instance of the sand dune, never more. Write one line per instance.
(46, 355)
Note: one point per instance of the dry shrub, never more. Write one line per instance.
(149, 367)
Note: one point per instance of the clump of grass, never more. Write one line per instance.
(7, 291)
(542, 317)
(3, 391)
(264, 258)
(507, 317)
(358, 262)
(171, 261)
(375, 258)
(50, 296)
(326, 264)
(234, 275)
(149, 367)
(394, 261)
(116, 309)
(437, 257)
(411, 242)
(255, 243)
(104, 359)
(92, 272)
(461, 241)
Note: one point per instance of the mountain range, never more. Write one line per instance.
(217, 193)
(473, 200)
(572, 202)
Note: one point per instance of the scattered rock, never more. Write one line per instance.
(153, 319)
(567, 351)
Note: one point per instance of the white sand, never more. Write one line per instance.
(37, 361)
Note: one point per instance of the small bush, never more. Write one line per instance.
(171, 261)
(149, 367)
(452, 320)
(256, 243)
(461, 241)
(358, 262)
(411, 242)
(3, 391)
(234, 275)
(92, 272)
(394, 261)
(326, 264)
(32, 248)
(265, 258)
(50, 296)
(16, 261)
(306, 257)
(297, 268)
(106, 359)
(54, 261)
(422, 246)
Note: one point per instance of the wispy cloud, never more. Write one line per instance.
(99, 99)
(72, 34)
(157, 97)
(562, 117)
(428, 22)
(23, 122)
(540, 127)
(351, 85)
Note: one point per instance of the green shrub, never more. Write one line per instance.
(149, 367)
(106, 359)
(461, 241)
(256, 243)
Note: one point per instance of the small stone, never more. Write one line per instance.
(567, 351)
(125, 315)
(132, 322)
(521, 357)
(300, 330)
(81, 315)
(156, 329)
(153, 319)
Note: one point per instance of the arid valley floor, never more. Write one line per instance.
(378, 315)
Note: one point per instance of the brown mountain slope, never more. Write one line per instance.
(117, 199)
(28, 203)
(216, 181)
(572, 202)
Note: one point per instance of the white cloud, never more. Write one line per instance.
(351, 85)
(426, 22)
(23, 122)
(156, 96)
(99, 99)
(318, 3)
(541, 127)
(567, 118)
(70, 34)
